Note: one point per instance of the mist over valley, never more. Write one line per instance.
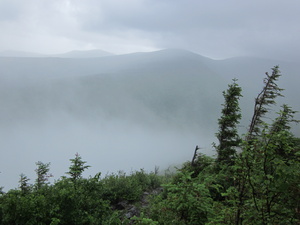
(120, 112)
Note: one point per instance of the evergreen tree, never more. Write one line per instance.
(43, 174)
(228, 135)
(23, 183)
(285, 118)
(77, 167)
(264, 99)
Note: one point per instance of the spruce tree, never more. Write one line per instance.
(23, 183)
(77, 167)
(43, 174)
(228, 136)
(263, 101)
(285, 118)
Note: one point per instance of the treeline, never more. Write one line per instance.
(74, 199)
(254, 179)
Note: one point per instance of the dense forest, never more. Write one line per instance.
(253, 179)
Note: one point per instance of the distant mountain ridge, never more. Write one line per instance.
(174, 84)
(168, 84)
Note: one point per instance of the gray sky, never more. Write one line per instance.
(213, 28)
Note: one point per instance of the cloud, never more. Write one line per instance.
(217, 29)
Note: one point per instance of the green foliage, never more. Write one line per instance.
(269, 171)
(185, 202)
(201, 164)
(90, 201)
(120, 187)
(80, 205)
(266, 168)
(142, 220)
(18, 208)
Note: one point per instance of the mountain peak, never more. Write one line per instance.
(174, 52)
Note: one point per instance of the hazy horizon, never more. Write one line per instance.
(119, 112)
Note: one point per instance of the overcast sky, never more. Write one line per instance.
(213, 28)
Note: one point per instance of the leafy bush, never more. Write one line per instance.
(184, 202)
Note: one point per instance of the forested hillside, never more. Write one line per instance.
(254, 178)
